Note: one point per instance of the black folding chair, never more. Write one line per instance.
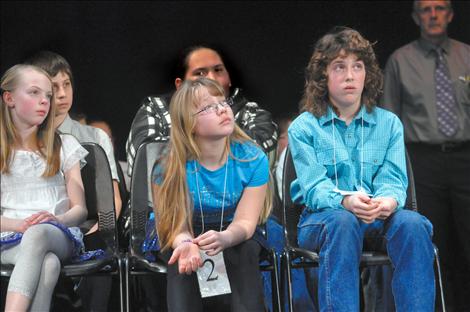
(99, 195)
(140, 205)
(295, 257)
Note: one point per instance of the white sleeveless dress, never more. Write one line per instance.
(25, 192)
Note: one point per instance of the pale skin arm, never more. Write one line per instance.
(13, 225)
(75, 191)
(241, 228)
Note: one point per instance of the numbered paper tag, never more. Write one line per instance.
(212, 276)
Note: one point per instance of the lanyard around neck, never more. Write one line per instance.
(223, 197)
(362, 150)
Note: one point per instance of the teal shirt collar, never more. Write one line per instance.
(369, 118)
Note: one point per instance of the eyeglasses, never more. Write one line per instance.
(215, 107)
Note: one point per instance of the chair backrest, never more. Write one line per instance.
(292, 211)
(122, 184)
(99, 192)
(141, 201)
(411, 202)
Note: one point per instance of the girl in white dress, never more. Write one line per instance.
(42, 196)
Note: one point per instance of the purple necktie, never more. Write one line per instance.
(446, 109)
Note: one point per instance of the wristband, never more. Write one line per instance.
(185, 241)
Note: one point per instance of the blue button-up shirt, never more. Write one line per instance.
(381, 154)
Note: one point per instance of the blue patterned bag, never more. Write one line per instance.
(150, 244)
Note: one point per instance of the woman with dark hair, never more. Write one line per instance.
(152, 121)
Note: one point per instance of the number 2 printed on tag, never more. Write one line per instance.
(212, 276)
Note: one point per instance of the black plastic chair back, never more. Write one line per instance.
(292, 211)
(277, 202)
(411, 202)
(141, 202)
(99, 192)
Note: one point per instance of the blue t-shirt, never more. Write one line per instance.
(247, 167)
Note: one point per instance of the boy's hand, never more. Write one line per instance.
(387, 206)
(362, 207)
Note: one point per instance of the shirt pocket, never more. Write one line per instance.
(327, 159)
(373, 160)
(462, 92)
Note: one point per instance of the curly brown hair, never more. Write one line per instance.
(340, 41)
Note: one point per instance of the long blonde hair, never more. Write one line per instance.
(48, 142)
(173, 204)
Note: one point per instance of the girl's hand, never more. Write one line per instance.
(188, 257)
(40, 217)
(387, 206)
(363, 207)
(213, 241)
(22, 226)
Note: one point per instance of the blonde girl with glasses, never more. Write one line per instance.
(210, 195)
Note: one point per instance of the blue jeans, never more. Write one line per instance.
(337, 235)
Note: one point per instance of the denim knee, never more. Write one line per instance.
(314, 228)
(408, 223)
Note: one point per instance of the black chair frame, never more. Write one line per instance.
(295, 257)
(140, 203)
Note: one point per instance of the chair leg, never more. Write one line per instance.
(275, 283)
(286, 280)
(439, 277)
(126, 272)
(121, 284)
(283, 282)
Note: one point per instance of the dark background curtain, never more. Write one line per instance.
(121, 51)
